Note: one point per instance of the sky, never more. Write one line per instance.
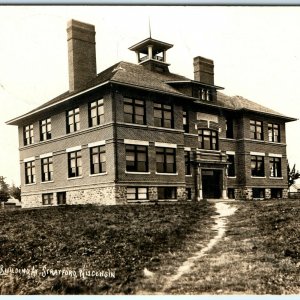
(256, 53)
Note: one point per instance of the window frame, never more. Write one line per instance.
(272, 137)
(166, 153)
(188, 163)
(136, 194)
(30, 172)
(135, 150)
(78, 164)
(97, 105)
(185, 121)
(71, 115)
(28, 134)
(167, 190)
(163, 110)
(101, 152)
(45, 129)
(213, 134)
(255, 172)
(275, 167)
(134, 105)
(46, 166)
(231, 167)
(254, 133)
(47, 198)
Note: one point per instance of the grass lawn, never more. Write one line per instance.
(260, 253)
(82, 241)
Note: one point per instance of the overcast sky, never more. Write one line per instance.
(256, 52)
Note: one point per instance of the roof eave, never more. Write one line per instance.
(286, 118)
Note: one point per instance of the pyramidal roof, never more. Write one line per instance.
(125, 73)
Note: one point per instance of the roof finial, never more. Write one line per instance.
(150, 27)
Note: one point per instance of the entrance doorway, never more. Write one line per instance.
(211, 184)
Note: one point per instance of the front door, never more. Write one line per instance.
(211, 184)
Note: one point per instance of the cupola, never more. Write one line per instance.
(151, 54)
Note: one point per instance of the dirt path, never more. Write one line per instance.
(224, 210)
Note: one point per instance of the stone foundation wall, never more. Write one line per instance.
(31, 201)
(181, 194)
(267, 193)
(243, 194)
(152, 191)
(285, 193)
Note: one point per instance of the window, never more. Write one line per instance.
(165, 193)
(47, 169)
(188, 166)
(96, 113)
(47, 199)
(185, 121)
(258, 193)
(188, 192)
(45, 129)
(205, 95)
(275, 167)
(165, 160)
(273, 133)
(257, 166)
(230, 193)
(28, 134)
(276, 193)
(73, 120)
(134, 111)
(74, 164)
(98, 160)
(229, 128)
(61, 198)
(231, 166)
(137, 193)
(163, 115)
(136, 158)
(29, 172)
(208, 139)
(256, 130)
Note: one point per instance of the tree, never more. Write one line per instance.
(15, 191)
(4, 190)
(292, 174)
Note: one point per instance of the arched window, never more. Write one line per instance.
(208, 139)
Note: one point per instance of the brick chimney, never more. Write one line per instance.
(81, 54)
(204, 70)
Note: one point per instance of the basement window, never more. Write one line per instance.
(47, 199)
(137, 193)
(167, 193)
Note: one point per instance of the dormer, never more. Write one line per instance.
(151, 54)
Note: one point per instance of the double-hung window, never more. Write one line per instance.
(256, 130)
(165, 160)
(74, 164)
(28, 134)
(45, 129)
(73, 120)
(47, 199)
(185, 121)
(273, 132)
(188, 165)
(134, 111)
(47, 169)
(30, 175)
(96, 113)
(137, 193)
(231, 166)
(136, 158)
(163, 115)
(275, 167)
(257, 166)
(98, 159)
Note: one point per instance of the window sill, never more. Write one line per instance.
(259, 177)
(137, 201)
(189, 175)
(276, 177)
(169, 200)
(98, 174)
(29, 184)
(233, 177)
(166, 173)
(141, 173)
(47, 181)
(72, 178)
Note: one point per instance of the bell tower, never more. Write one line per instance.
(151, 54)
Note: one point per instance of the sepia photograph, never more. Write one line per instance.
(149, 150)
